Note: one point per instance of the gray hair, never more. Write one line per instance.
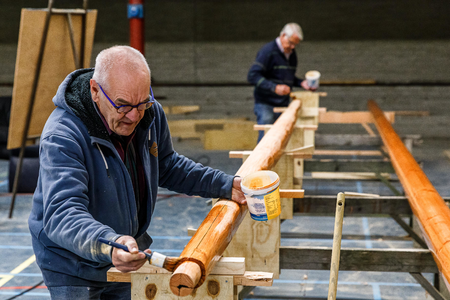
(111, 57)
(292, 28)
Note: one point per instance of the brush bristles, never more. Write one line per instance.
(170, 263)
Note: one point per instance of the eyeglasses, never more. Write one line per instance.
(123, 109)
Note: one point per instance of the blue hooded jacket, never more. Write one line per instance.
(84, 190)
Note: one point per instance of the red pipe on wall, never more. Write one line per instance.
(136, 16)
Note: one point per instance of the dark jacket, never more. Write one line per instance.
(84, 190)
(269, 69)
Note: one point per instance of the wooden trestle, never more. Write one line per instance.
(427, 205)
(219, 226)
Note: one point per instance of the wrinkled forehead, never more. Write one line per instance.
(125, 74)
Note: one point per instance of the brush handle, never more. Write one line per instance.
(120, 246)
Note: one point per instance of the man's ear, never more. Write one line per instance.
(94, 90)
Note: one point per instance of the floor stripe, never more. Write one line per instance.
(43, 294)
(366, 228)
(15, 247)
(18, 269)
(15, 234)
(376, 291)
(22, 274)
(21, 287)
(359, 188)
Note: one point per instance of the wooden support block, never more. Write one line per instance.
(158, 287)
(229, 266)
(285, 170)
(292, 193)
(251, 278)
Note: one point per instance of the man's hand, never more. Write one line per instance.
(305, 85)
(282, 89)
(128, 261)
(236, 192)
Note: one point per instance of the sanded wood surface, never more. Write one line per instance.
(219, 226)
(426, 203)
(57, 63)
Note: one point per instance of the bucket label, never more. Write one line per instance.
(265, 207)
(272, 201)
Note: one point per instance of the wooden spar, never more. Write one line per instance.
(426, 204)
(215, 233)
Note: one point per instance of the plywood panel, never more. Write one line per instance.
(234, 136)
(57, 63)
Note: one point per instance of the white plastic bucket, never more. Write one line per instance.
(312, 77)
(262, 192)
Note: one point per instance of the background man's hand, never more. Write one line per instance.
(128, 261)
(236, 192)
(305, 85)
(282, 89)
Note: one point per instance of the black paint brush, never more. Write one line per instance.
(154, 258)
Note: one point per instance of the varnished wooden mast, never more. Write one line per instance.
(426, 204)
(219, 226)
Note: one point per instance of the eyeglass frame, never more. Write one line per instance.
(151, 101)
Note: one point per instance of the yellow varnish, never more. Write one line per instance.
(259, 182)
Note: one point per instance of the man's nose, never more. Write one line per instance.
(134, 115)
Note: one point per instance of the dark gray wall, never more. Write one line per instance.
(256, 20)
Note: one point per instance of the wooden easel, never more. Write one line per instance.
(79, 60)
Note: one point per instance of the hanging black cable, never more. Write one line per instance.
(26, 291)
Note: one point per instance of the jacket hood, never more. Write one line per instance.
(74, 96)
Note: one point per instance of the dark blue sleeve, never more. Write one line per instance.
(297, 81)
(257, 75)
(181, 174)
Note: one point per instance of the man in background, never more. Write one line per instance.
(273, 74)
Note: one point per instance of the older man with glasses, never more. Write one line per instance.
(273, 74)
(104, 151)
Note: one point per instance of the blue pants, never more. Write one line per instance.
(117, 291)
(264, 115)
